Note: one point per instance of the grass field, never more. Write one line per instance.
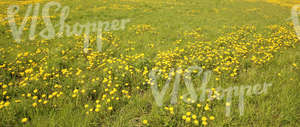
(53, 82)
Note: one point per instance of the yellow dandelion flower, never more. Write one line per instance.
(227, 104)
(188, 113)
(203, 118)
(34, 104)
(194, 116)
(184, 117)
(145, 121)
(6, 104)
(198, 105)
(206, 107)
(204, 123)
(196, 122)
(24, 120)
(188, 119)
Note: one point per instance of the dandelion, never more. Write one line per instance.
(194, 116)
(98, 106)
(24, 120)
(184, 117)
(188, 113)
(188, 119)
(4, 93)
(198, 105)
(17, 101)
(145, 122)
(4, 86)
(227, 104)
(196, 122)
(34, 97)
(34, 104)
(204, 123)
(203, 118)
(45, 102)
(206, 107)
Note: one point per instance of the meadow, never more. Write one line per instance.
(244, 43)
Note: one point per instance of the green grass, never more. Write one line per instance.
(169, 21)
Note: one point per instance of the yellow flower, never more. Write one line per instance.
(206, 107)
(17, 101)
(166, 108)
(188, 119)
(82, 91)
(204, 123)
(188, 113)
(6, 104)
(171, 108)
(27, 71)
(97, 101)
(184, 117)
(196, 122)
(34, 97)
(4, 86)
(34, 104)
(75, 91)
(194, 116)
(211, 117)
(203, 118)
(198, 105)
(24, 120)
(45, 102)
(145, 121)
(227, 104)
